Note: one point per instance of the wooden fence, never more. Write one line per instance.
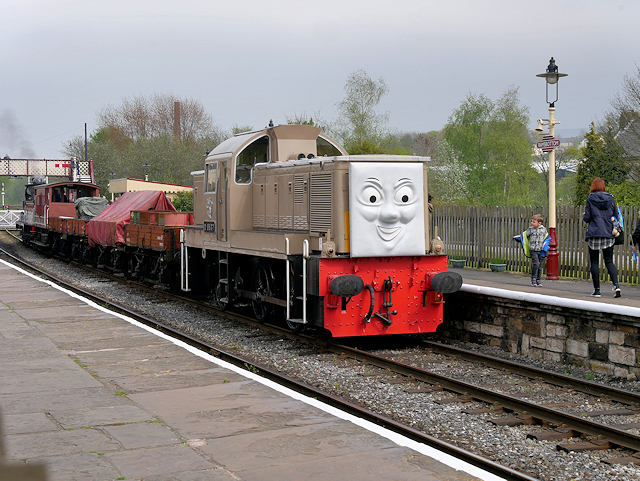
(483, 235)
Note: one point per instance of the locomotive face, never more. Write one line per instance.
(386, 209)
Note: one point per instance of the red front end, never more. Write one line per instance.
(397, 298)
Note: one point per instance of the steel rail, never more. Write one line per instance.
(614, 435)
(585, 386)
(303, 388)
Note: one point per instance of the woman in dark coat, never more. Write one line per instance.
(601, 207)
(635, 237)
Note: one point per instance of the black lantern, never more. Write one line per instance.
(552, 75)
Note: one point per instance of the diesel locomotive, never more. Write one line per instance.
(286, 220)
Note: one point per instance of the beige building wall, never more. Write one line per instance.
(117, 187)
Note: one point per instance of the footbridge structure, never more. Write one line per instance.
(74, 169)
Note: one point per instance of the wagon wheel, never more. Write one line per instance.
(129, 272)
(262, 283)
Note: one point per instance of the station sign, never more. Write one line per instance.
(548, 144)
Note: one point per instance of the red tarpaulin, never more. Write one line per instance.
(107, 228)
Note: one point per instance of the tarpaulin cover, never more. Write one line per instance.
(89, 207)
(107, 228)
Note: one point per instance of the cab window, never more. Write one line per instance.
(255, 153)
(326, 148)
(211, 180)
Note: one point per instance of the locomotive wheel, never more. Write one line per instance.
(262, 285)
(221, 303)
(294, 326)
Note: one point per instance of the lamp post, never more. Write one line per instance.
(146, 170)
(551, 76)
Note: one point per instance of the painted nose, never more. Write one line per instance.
(389, 212)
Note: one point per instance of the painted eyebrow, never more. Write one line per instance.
(404, 180)
(374, 180)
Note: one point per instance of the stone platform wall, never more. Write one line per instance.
(601, 342)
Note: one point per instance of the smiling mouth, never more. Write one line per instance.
(388, 233)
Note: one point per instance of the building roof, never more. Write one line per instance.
(629, 139)
(119, 186)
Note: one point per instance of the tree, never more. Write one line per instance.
(625, 121)
(492, 142)
(238, 129)
(601, 157)
(511, 174)
(360, 128)
(184, 201)
(139, 132)
(465, 132)
(145, 117)
(315, 120)
(426, 144)
(447, 176)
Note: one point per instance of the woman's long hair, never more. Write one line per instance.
(597, 185)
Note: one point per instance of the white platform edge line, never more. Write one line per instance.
(400, 440)
(584, 305)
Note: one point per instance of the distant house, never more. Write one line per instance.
(117, 187)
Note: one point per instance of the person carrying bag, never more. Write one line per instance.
(599, 211)
(618, 228)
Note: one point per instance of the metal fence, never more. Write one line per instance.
(482, 235)
(8, 218)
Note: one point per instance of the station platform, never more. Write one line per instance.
(94, 395)
(576, 290)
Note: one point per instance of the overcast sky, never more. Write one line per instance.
(249, 61)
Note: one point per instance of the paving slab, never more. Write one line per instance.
(59, 313)
(54, 443)
(293, 445)
(42, 302)
(97, 327)
(132, 338)
(79, 467)
(101, 416)
(78, 398)
(157, 460)
(136, 353)
(381, 465)
(143, 434)
(162, 381)
(27, 423)
(242, 419)
(214, 474)
(150, 366)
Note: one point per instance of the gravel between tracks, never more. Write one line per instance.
(343, 377)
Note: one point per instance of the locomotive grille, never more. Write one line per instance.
(320, 197)
(258, 221)
(298, 189)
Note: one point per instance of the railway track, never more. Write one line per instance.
(420, 380)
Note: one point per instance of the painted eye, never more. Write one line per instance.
(404, 195)
(371, 196)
